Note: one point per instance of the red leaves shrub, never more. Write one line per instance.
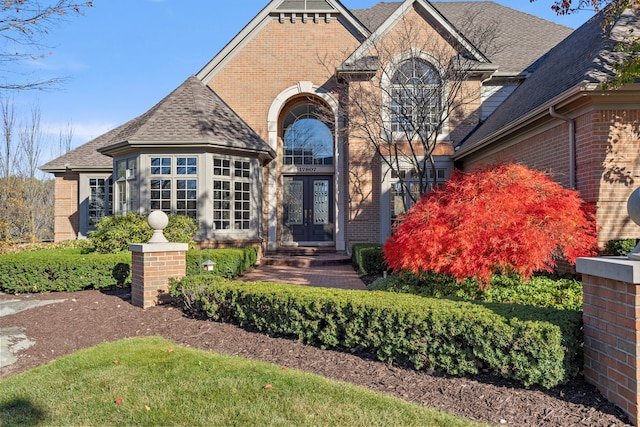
(505, 218)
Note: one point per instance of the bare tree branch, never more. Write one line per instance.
(411, 91)
(24, 25)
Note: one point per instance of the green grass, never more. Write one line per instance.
(161, 383)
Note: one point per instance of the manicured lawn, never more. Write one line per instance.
(152, 381)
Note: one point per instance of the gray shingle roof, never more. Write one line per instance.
(584, 57)
(521, 38)
(191, 113)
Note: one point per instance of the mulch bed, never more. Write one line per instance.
(91, 317)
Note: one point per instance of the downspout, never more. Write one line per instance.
(572, 145)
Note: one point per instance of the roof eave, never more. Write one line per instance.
(559, 100)
(75, 168)
(133, 145)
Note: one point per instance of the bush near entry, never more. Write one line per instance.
(532, 345)
(507, 219)
(115, 233)
(562, 293)
(367, 258)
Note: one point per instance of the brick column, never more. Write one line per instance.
(153, 264)
(611, 315)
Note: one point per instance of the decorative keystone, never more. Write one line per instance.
(158, 221)
(633, 208)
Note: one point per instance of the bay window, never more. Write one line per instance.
(170, 190)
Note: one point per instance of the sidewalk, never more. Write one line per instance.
(323, 271)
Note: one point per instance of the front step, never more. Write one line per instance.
(305, 257)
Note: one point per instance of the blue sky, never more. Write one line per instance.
(123, 56)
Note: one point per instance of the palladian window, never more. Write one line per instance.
(416, 94)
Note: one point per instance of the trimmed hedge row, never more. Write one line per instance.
(534, 346)
(62, 270)
(368, 258)
(71, 270)
(229, 262)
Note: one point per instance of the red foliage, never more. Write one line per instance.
(505, 218)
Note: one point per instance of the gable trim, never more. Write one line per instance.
(402, 10)
(269, 13)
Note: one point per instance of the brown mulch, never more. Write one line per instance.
(91, 317)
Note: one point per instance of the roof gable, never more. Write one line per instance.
(283, 9)
(394, 16)
(517, 50)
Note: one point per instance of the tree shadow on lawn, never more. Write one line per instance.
(22, 412)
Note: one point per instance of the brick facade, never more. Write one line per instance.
(152, 265)
(293, 52)
(607, 161)
(67, 215)
(611, 315)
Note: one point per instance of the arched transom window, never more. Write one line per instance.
(307, 139)
(416, 97)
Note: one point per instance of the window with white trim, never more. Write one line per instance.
(232, 206)
(169, 190)
(100, 199)
(416, 97)
(126, 185)
(400, 198)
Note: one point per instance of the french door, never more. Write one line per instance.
(308, 217)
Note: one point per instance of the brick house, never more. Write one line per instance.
(258, 145)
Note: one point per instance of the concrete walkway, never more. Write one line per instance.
(13, 339)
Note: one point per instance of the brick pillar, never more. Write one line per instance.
(611, 315)
(153, 264)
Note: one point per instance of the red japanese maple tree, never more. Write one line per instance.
(505, 218)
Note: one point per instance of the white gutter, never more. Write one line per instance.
(572, 145)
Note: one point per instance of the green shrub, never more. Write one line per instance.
(229, 262)
(70, 270)
(620, 247)
(532, 345)
(115, 233)
(539, 291)
(368, 258)
(63, 270)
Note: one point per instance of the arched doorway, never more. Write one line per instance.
(308, 157)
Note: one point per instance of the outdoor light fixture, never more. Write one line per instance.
(208, 265)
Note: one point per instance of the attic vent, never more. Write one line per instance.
(305, 5)
(305, 17)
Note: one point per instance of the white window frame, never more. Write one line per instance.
(388, 134)
(125, 185)
(227, 208)
(106, 199)
(387, 217)
(174, 169)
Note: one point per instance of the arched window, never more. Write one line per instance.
(416, 97)
(307, 139)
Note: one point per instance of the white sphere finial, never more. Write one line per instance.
(633, 208)
(158, 221)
